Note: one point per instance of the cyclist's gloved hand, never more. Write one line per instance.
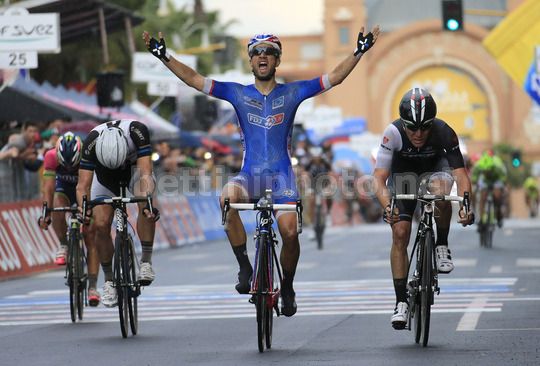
(87, 217)
(465, 219)
(154, 215)
(158, 48)
(44, 222)
(389, 217)
(365, 42)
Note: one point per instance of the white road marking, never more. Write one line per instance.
(469, 320)
(321, 298)
(528, 262)
(495, 269)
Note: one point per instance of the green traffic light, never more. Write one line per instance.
(516, 163)
(452, 24)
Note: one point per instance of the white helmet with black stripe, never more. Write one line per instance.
(111, 147)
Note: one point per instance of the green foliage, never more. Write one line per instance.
(516, 175)
(79, 62)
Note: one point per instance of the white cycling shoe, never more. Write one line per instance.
(109, 297)
(146, 274)
(444, 259)
(400, 316)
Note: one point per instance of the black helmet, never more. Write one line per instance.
(417, 109)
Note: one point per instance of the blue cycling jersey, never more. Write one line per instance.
(266, 124)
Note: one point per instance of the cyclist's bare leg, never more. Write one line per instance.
(481, 204)
(59, 218)
(103, 217)
(290, 253)
(399, 262)
(236, 233)
(498, 198)
(146, 228)
(92, 256)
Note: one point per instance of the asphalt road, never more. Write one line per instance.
(488, 311)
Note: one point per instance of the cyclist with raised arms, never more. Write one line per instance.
(60, 176)
(266, 113)
(415, 147)
(118, 152)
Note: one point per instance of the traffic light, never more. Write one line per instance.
(452, 15)
(516, 158)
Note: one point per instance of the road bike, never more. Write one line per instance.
(76, 269)
(487, 223)
(125, 263)
(267, 275)
(424, 283)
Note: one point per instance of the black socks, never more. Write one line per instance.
(400, 287)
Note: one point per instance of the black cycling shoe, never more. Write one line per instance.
(244, 281)
(288, 303)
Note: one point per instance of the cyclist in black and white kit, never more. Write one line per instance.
(118, 151)
(417, 147)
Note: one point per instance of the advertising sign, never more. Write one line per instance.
(147, 68)
(20, 31)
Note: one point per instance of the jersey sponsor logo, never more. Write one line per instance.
(267, 122)
(279, 102)
(253, 102)
(385, 140)
(137, 132)
(288, 193)
(386, 147)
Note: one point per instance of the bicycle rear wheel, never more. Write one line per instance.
(83, 278)
(426, 292)
(490, 227)
(133, 291)
(120, 283)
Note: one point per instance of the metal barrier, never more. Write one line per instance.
(16, 182)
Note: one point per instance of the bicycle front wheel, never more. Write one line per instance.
(262, 292)
(426, 291)
(120, 283)
(133, 291)
(73, 276)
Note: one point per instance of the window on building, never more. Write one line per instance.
(344, 35)
(311, 51)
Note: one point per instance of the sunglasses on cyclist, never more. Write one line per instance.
(413, 128)
(268, 51)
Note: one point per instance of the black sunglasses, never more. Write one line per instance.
(268, 51)
(413, 128)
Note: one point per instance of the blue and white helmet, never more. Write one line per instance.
(264, 38)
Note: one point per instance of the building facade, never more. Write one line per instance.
(472, 92)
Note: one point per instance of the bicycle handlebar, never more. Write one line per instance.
(428, 197)
(45, 209)
(114, 201)
(297, 207)
(434, 197)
